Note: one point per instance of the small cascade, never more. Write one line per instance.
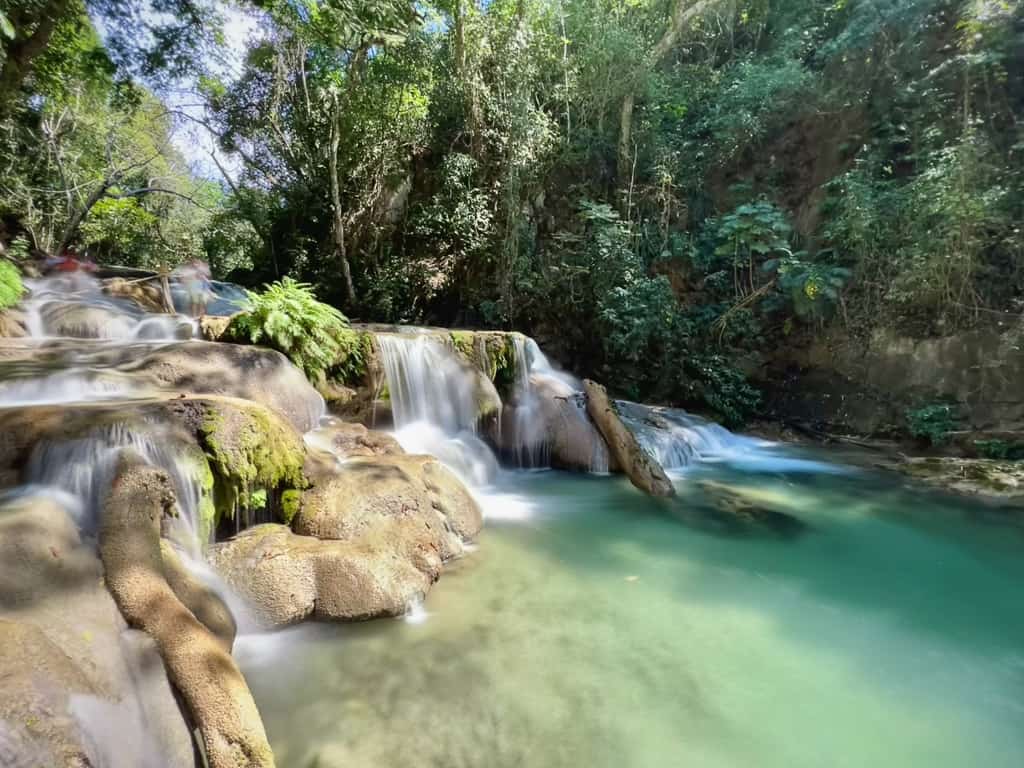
(435, 401)
(74, 306)
(548, 415)
(427, 382)
(84, 467)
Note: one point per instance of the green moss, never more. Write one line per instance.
(291, 502)
(501, 354)
(250, 450)
(207, 512)
(463, 341)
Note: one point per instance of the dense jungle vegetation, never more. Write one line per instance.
(659, 190)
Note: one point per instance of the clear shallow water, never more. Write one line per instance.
(608, 629)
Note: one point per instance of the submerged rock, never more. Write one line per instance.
(79, 687)
(749, 508)
(641, 468)
(975, 477)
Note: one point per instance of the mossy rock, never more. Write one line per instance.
(250, 450)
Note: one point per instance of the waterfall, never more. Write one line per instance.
(548, 421)
(435, 401)
(84, 467)
(74, 306)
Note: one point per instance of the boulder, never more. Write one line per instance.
(365, 492)
(213, 327)
(13, 324)
(639, 466)
(347, 440)
(287, 578)
(79, 687)
(251, 373)
(205, 674)
(370, 538)
(205, 604)
(548, 425)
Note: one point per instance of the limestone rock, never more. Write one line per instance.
(250, 373)
(146, 294)
(79, 688)
(205, 604)
(287, 578)
(12, 324)
(201, 669)
(370, 538)
(641, 468)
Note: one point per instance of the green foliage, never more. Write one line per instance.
(712, 379)
(932, 423)
(1000, 450)
(812, 288)
(11, 287)
(286, 316)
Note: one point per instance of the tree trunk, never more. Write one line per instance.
(683, 12)
(339, 219)
(79, 216)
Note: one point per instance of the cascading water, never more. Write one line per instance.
(85, 466)
(75, 306)
(547, 403)
(435, 402)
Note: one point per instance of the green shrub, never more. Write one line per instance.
(932, 423)
(1000, 449)
(11, 287)
(722, 387)
(287, 317)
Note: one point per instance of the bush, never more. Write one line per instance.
(11, 287)
(723, 388)
(313, 335)
(932, 423)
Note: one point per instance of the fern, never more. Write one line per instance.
(287, 317)
(11, 287)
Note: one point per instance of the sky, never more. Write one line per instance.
(191, 139)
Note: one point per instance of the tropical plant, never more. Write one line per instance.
(287, 316)
(11, 287)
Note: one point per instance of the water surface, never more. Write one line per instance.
(860, 625)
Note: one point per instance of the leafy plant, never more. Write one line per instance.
(812, 288)
(287, 317)
(722, 387)
(932, 423)
(11, 287)
(1000, 450)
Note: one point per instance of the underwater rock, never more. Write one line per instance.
(205, 674)
(974, 477)
(749, 508)
(641, 468)
(287, 578)
(68, 662)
